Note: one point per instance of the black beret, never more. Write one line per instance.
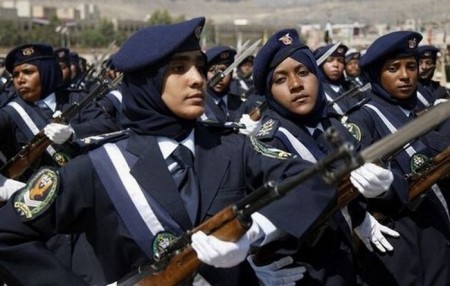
(427, 51)
(63, 55)
(278, 47)
(399, 43)
(153, 44)
(339, 52)
(26, 53)
(220, 55)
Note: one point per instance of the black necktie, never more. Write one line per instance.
(223, 108)
(186, 180)
(48, 113)
(317, 132)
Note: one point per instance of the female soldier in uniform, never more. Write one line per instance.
(286, 72)
(125, 195)
(391, 66)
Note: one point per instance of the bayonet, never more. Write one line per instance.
(221, 74)
(243, 46)
(328, 53)
(93, 68)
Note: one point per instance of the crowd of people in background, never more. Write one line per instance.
(105, 166)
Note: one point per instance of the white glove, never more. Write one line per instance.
(371, 231)
(440, 100)
(57, 114)
(274, 274)
(371, 180)
(224, 254)
(251, 127)
(58, 133)
(8, 187)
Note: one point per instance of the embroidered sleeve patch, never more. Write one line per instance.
(354, 130)
(39, 193)
(269, 151)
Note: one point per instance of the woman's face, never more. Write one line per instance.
(399, 77)
(223, 83)
(334, 67)
(352, 67)
(27, 82)
(295, 87)
(184, 85)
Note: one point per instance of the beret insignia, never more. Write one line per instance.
(269, 151)
(224, 55)
(28, 51)
(412, 43)
(39, 193)
(286, 39)
(198, 32)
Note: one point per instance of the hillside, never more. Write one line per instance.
(279, 12)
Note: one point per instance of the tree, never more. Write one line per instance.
(159, 17)
(8, 34)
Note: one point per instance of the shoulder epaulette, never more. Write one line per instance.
(357, 105)
(268, 129)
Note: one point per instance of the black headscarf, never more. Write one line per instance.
(144, 111)
(319, 111)
(50, 75)
(373, 74)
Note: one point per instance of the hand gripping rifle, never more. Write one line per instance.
(29, 153)
(179, 261)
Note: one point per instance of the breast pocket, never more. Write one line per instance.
(226, 197)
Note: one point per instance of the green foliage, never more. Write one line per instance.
(159, 17)
(8, 33)
(84, 35)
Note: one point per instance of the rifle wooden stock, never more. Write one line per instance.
(439, 170)
(226, 225)
(31, 152)
(346, 192)
(236, 217)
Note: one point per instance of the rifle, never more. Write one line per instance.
(31, 152)
(351, 93)
(219, 75)
(93, 68)
(178, 261)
